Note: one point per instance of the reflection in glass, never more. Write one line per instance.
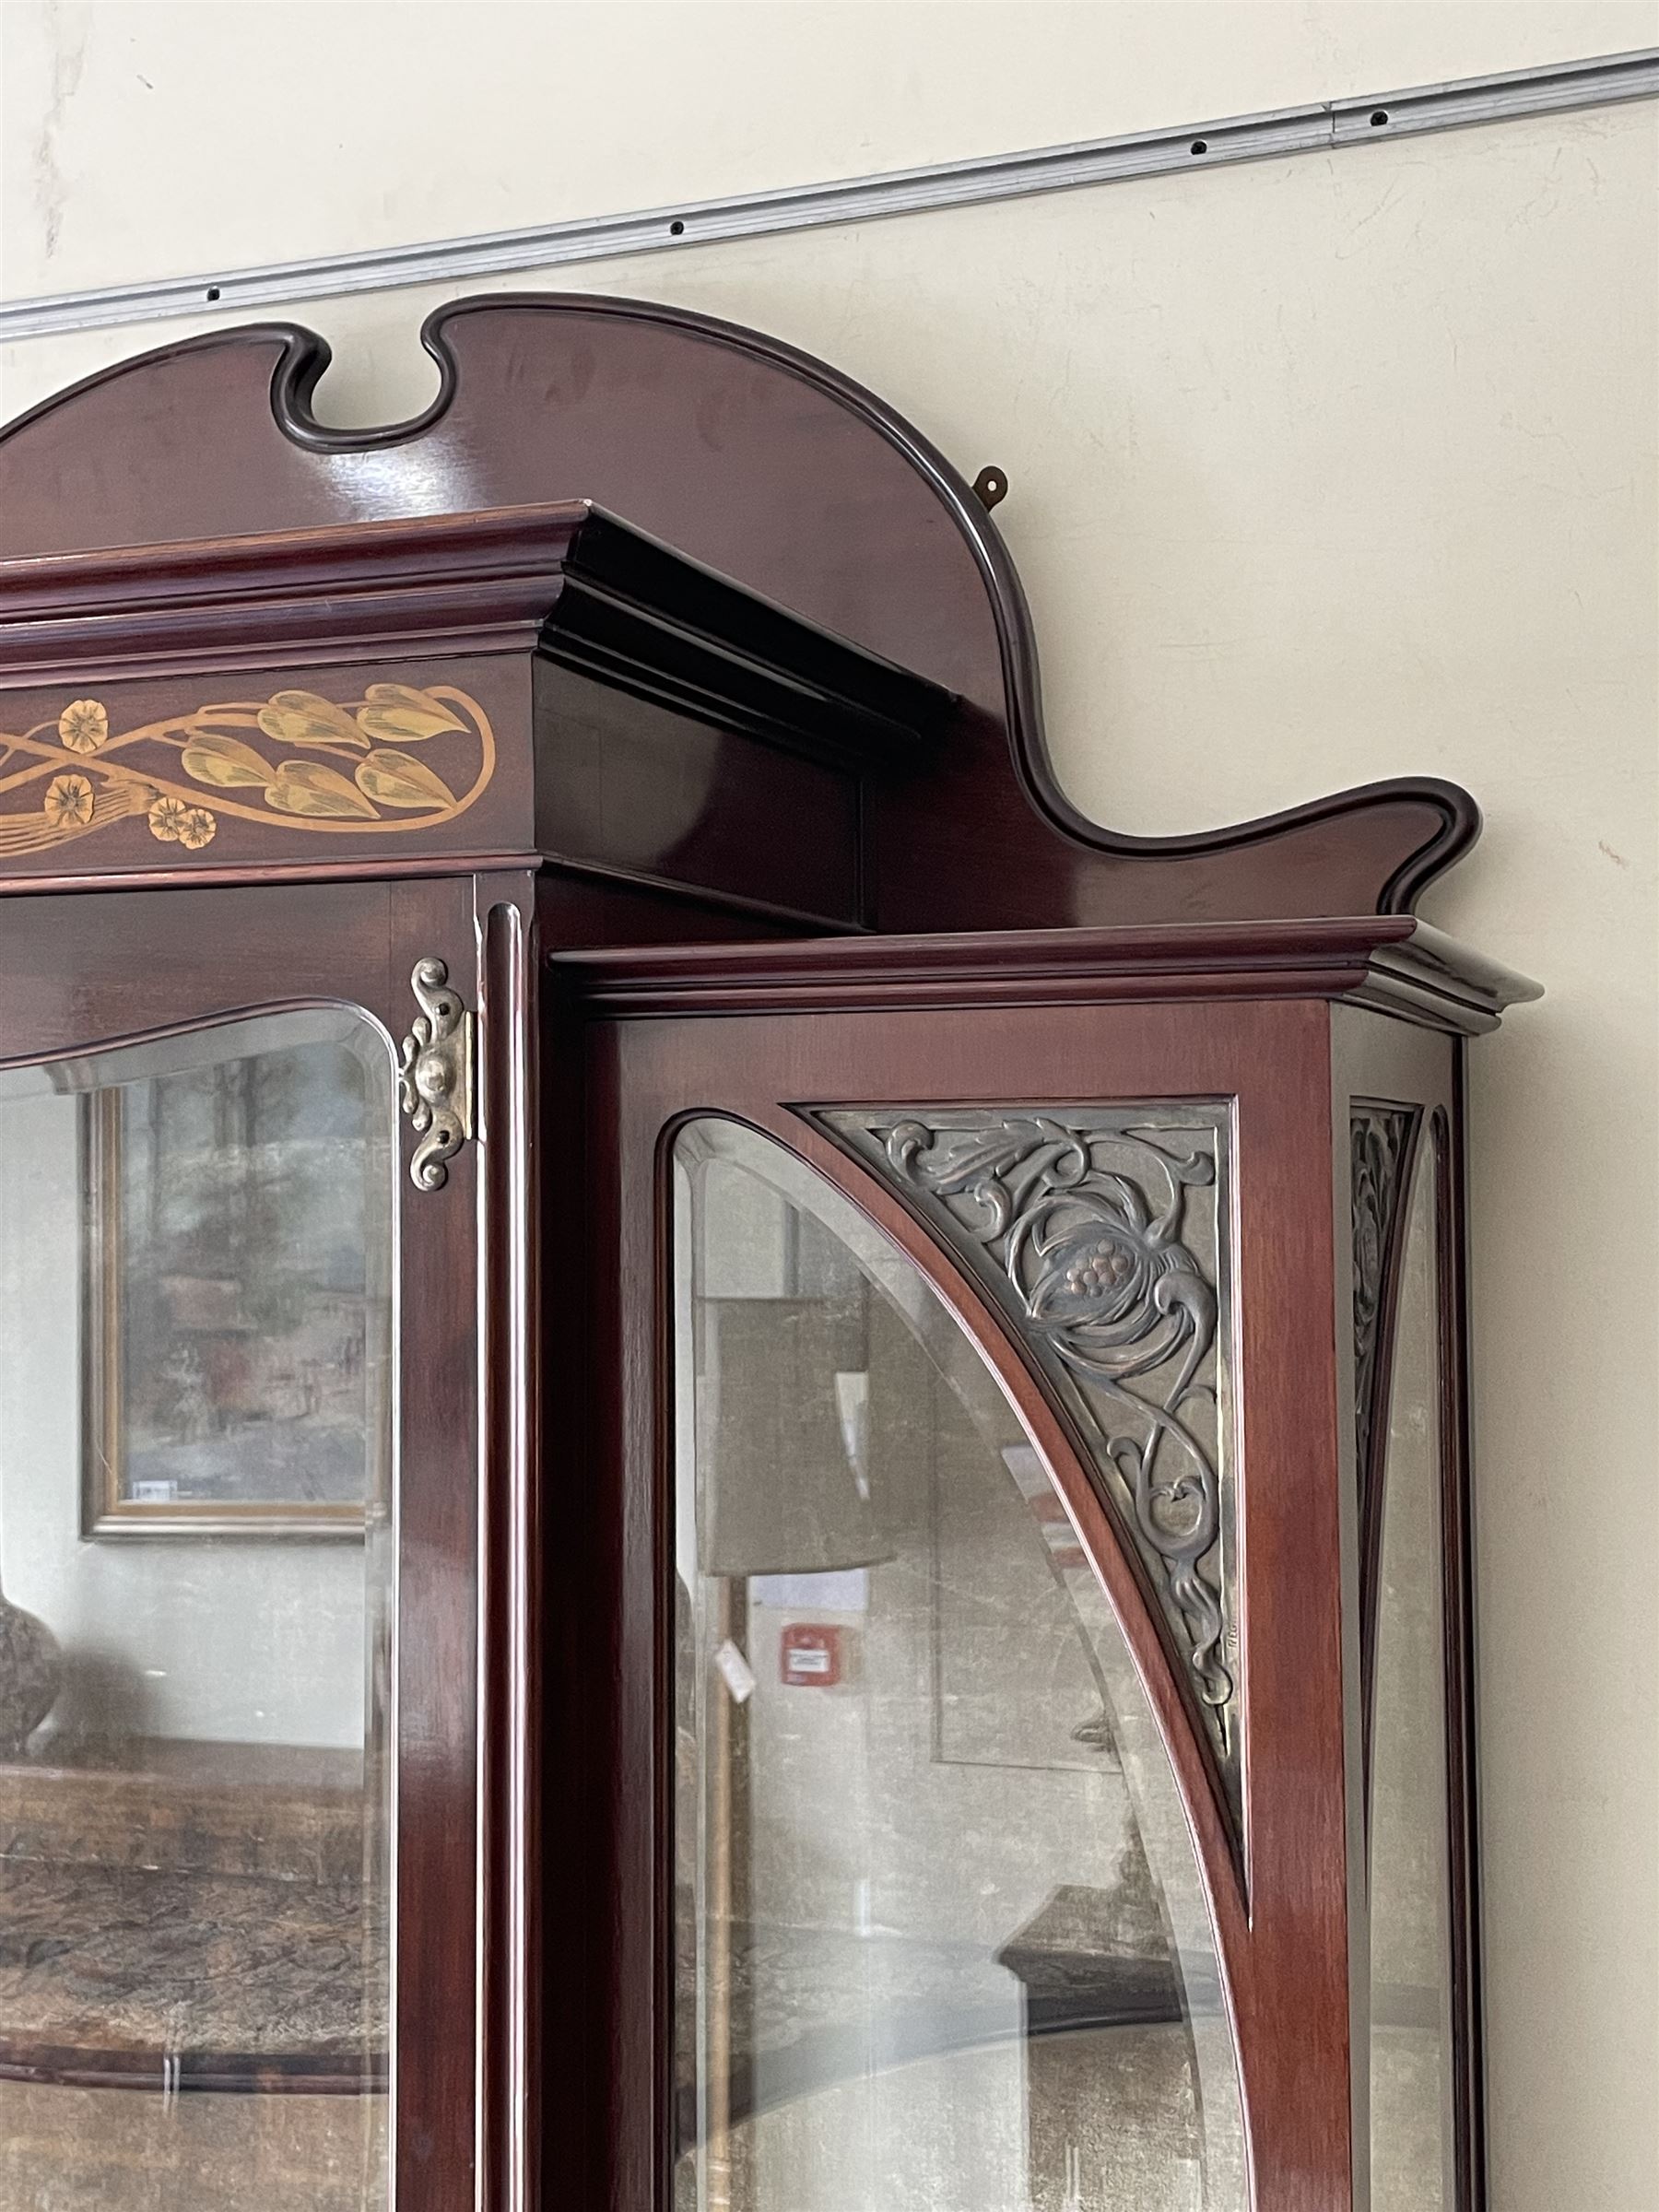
(195, 1784)
(941, 1943)
(225, 1227)
(1102, 1233)
(1413, 2139)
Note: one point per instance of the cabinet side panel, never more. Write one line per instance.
(1389, 1076)
(1285, 1956)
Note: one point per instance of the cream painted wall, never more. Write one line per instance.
(244, 1642)
(1322, 469)
(143, 139)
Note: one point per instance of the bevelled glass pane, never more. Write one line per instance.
(196, 1550)
(1102, 1233)
(941, 1943)
(1412, 2137)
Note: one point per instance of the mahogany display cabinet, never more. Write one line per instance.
(734, 1466)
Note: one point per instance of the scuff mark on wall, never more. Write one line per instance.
(67, 31)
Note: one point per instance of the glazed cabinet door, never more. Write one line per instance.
(239, 1650)
(1411, 1747)
(973, 1819)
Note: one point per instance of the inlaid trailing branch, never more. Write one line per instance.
(184, 774)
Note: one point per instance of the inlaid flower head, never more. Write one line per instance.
(68, 802)
(84, 725)
(167, 817)
(198, 827)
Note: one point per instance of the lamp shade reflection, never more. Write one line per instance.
(786, 1487)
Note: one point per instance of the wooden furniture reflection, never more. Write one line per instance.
(156, 1883)
(1106, 2017)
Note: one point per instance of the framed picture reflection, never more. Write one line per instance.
(236, 1242)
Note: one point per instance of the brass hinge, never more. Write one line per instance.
(435, 1077)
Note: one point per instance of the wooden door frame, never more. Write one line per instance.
(90, 969)
(1283, 1951)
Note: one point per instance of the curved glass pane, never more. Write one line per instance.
(195, 1431)
(1412, 2137)
(941, 1940)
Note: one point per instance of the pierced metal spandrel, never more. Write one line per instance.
(1101, 1232)
(1381, 1139)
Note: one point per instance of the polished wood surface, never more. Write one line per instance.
(626, 785)
(99, 968)
(512, 1681)
(788, 698)
(177, 1805)
(567, 686)
(1394, 964)
(755, 461)
(711, 1029)
(586, 589)
(1282, 1917)
(477, 1637)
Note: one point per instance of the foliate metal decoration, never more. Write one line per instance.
(1380, 1139)
(435, 1076)
(1104, 1232)
(294, 761)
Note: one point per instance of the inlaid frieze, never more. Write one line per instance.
(398, 757)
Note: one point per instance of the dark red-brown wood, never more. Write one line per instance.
(789, 697)
(105, 968)
(759, 463)
(572, 690)
(1388, 962)
(1285, 1950)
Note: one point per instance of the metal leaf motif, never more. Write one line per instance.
(1380, 1139)
(1083, 1230)
(435, 1074)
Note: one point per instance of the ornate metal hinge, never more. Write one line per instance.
(435, 1076)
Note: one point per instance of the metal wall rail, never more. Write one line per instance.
(1596, 82)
